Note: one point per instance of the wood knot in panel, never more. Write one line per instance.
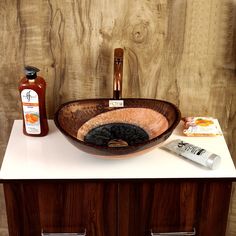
(140, 33)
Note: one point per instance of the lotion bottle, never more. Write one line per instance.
(32, 92)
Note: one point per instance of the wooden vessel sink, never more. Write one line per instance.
(96, 126)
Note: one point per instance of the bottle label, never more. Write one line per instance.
(30, 103)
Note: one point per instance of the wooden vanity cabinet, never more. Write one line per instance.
(174, 206)
(117, 207)
(89, 208)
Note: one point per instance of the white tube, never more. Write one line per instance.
(193, 153)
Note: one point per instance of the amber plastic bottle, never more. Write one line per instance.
(32, 92)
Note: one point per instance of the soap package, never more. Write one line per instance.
(201, 126)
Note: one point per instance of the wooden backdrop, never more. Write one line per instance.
(182, 51)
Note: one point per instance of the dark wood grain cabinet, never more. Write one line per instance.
(118, 207)
(169, 207)
(82, 207)
(173, 206)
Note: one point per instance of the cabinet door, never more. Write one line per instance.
(33, 208)
(147, 207)
(214, 206)
(173, 206)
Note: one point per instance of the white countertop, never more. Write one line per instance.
(53, 157)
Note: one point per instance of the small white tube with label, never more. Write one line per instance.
(193, 153)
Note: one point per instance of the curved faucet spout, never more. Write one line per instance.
(118, 73)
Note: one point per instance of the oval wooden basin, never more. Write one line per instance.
(94, 127)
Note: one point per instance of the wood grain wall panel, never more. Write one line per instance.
(9, 68)
(177, 50)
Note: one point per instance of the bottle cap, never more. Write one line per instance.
(213, 161)
(31, 72)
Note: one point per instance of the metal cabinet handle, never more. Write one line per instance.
(64, 234)
(175, 233)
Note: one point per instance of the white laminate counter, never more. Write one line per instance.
(53, 157)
